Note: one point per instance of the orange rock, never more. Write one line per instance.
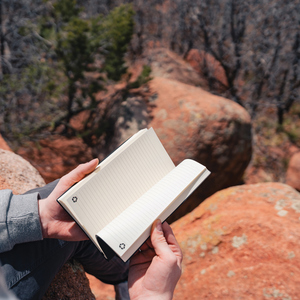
(242, 243)
(100, 290)
(193, 123)
(5, 185)
(201, 60)
(293, 172)
(3, 144)
(70, 283)
(17, 173)
(166, 64)
(56, 156)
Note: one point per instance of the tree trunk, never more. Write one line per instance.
(1, 43)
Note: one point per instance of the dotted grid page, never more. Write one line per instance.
(120, 183)
(135, 222)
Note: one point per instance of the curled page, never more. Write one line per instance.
(131, 228)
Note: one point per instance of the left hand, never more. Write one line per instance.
(155, 270)
(55, 222)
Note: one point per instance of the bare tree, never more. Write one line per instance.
(255, 45)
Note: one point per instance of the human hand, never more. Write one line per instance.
(55, 222)
(155, 270)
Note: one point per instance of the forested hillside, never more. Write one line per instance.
(57, 57)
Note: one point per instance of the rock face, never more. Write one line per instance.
(20, 176)
(70, 283)
(242, 243)
(56, 156)
(293, 172)
(167, 64)
(3, 144)
(193, 123)
(204, 62)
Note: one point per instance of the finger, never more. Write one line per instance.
(171, 240)
(169, 235)
(74, 176)
(158, 240)
(80, 172)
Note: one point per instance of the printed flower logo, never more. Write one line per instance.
(122, 246)
(74, 199)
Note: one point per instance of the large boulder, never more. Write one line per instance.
(203, 63)
(242, 243)
(56, 156)
(3, 144)
(192, 123)
(70, 283)
(166, 64)
(20, 176)
(293, 171)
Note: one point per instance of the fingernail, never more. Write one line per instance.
(95, 159)
(158, 225)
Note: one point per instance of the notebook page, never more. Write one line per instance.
(121, 148)
(120, 183)
(105, 162)
(167, 212)
(137, 219)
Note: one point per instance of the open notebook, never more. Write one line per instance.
(137, 184)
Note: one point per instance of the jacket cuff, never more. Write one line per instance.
(23, 221)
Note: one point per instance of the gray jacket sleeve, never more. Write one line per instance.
(19, 219)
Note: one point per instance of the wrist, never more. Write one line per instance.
(43, 218)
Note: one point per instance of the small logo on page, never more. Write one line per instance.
(122, 246)
(74, 199)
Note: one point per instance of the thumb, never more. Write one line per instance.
(158, 239)
(80, 172)
(74, 176)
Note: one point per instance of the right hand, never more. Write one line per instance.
(55, 222)
(155, 270)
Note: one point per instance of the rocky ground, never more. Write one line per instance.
(242, 243)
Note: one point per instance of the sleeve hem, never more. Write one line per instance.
(23, 221)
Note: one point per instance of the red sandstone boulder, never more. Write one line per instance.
(102, 291)
(193, 123)
(166, 64)
(204, 62)
(70, 283)
(293, 172)
(242, 243)
(18, 174)
(3, 144)
(56, 156)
